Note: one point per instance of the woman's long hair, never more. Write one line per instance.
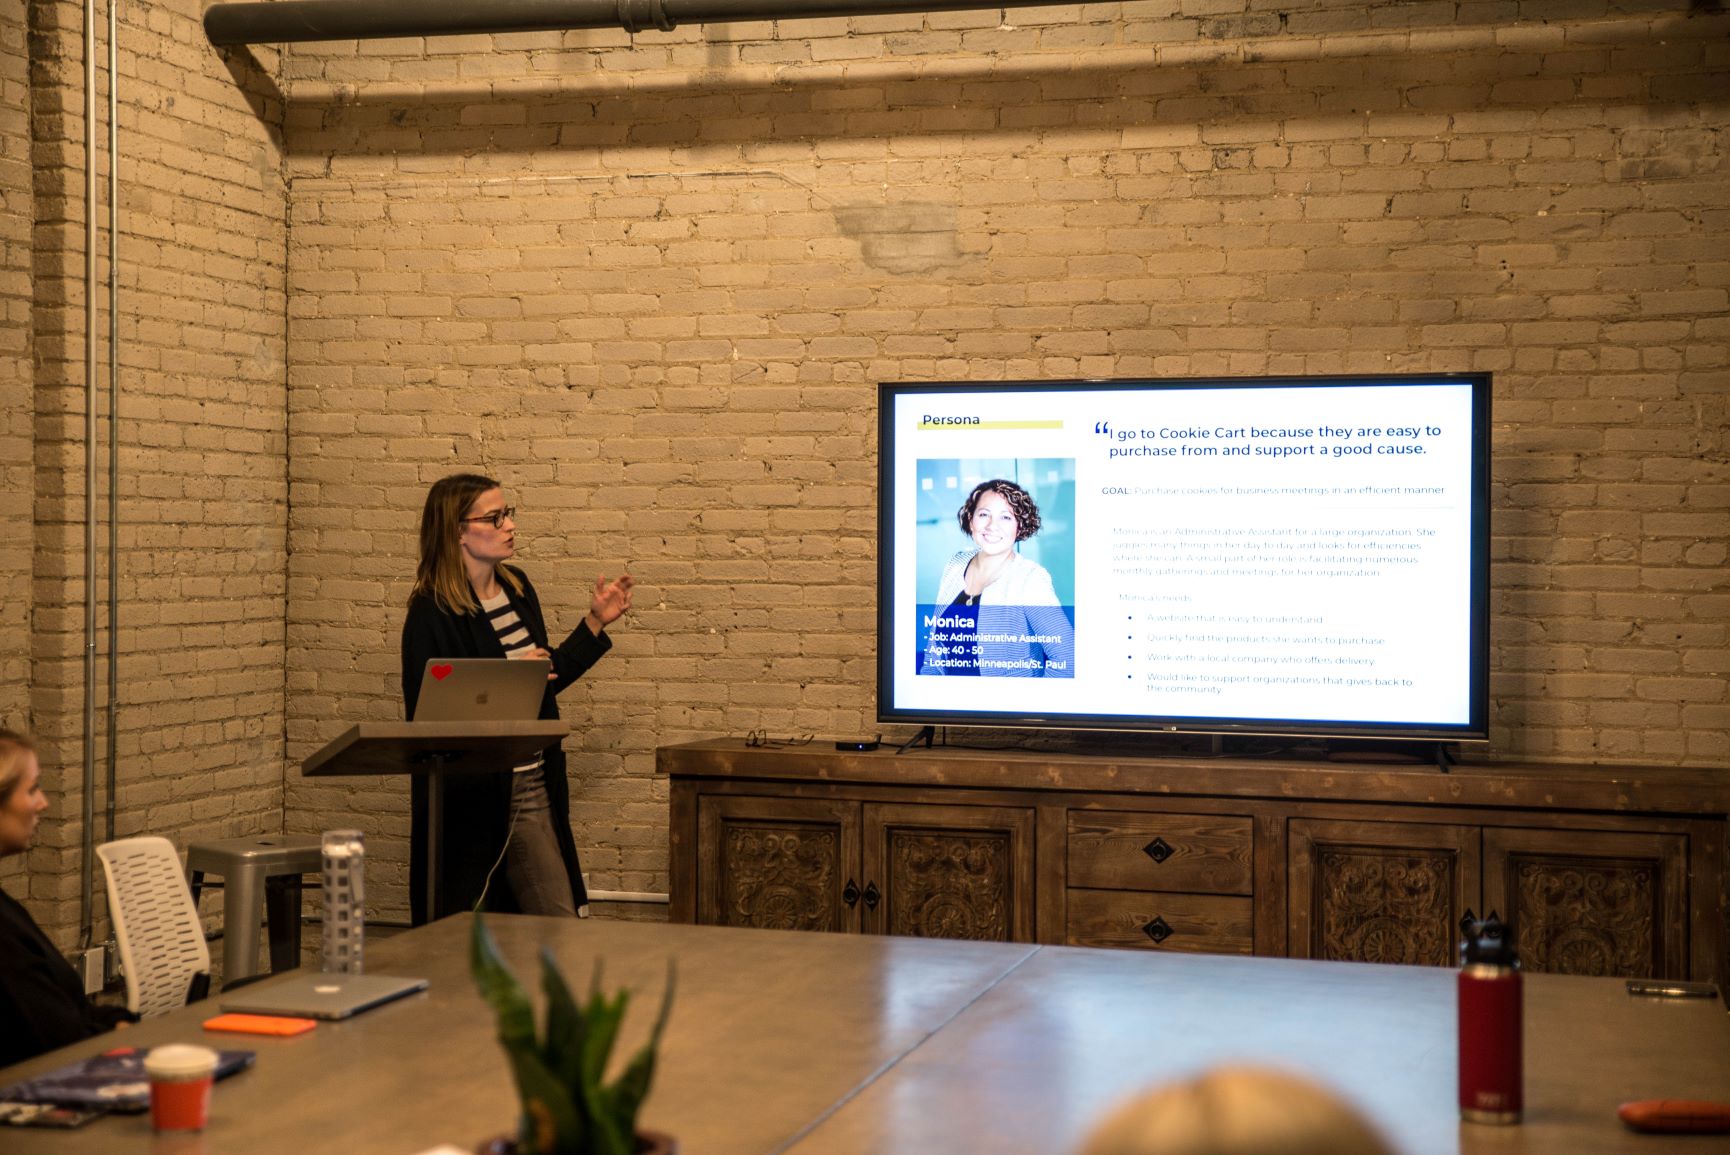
(440, 575)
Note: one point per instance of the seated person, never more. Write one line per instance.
(42, 1001)
(1236, 1111)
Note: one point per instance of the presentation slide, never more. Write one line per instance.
(1292, 553)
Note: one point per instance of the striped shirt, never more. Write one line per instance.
(514, 636)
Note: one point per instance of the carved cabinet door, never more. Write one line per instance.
(782, 863)
(1592, 902)
(949, 871)
(1380, 891)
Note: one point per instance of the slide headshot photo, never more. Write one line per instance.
(996, 561)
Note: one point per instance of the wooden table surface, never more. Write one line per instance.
(818, 1044)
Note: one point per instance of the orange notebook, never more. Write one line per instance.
(260, 1024)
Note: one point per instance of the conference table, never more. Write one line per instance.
(826, 1043)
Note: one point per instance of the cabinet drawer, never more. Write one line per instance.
(1129, 850)
(1208, 923)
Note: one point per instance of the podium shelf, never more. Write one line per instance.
(426, 747)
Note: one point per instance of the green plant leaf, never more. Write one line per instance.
(510, 1003)
(567, 1108)
(601, 1018)
(537, 1085)
(606, 1134)
(632, 1086)
(516, 1024)
(563, 1048)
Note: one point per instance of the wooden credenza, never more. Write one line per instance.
(1604, 870)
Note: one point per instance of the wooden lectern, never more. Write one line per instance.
(434, 749)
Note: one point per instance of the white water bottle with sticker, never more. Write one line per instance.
(344, 902)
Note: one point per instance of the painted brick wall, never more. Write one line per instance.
(652, 286)
(203, 489)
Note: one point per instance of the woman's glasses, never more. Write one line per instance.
(761, 738)
(496, 518)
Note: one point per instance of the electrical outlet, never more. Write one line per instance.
(91, 966)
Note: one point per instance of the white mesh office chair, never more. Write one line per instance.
(162, 948)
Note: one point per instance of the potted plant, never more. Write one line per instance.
(568, 1107)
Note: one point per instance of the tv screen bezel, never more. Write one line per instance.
(1474, 730)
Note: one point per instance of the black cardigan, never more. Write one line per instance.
(477, 807)
(42, 1002)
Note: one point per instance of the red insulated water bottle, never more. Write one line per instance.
(1490, 1026)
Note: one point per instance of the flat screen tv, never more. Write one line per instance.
(1288, 556)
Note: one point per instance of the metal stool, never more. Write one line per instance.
(265, 870)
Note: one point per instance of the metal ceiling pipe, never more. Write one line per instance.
(285, 21)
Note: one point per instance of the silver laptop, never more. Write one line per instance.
(482, 689)
(321, 996)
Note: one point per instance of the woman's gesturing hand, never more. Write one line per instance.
(611, 601)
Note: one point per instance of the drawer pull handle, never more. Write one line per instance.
(1158, 930)
(850, 894)
(1468, 924)
(1159, 850)
(872, 894)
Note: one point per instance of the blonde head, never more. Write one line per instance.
(15, 751)
(440, 574)
(1236, 1111)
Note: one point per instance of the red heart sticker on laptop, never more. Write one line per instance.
(440, 673)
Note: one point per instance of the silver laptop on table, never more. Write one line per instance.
(321, 996)
(482, 689)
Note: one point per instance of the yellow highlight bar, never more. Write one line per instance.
(993, 425)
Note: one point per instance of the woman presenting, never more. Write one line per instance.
(467, 603)
(1003, 616)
